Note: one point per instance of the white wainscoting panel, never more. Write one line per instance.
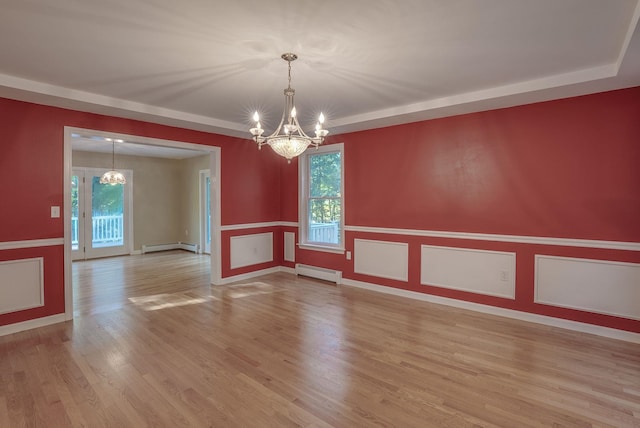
(383, 259)
(252, 249)
(601, 286)
(21, 284)
(290, 246)
(477, 271)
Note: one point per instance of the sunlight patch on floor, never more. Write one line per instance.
(237, 291)
(163, 301)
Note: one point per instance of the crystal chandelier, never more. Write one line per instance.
(113, 177)
(288, 140)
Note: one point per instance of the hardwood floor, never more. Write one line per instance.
(152, 344)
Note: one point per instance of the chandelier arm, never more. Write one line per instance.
(289, 105)
(277, 130)
(299, 129)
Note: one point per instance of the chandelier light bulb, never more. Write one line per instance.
(256, 117)
(113, 178)
(321, 118)
(293, 112)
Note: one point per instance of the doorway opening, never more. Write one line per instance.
(106, 228)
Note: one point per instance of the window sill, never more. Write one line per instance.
(334, 250)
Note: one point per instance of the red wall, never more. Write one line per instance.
(566, 169)
(32, 167)
(31, 181)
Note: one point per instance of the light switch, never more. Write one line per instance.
(55, 212)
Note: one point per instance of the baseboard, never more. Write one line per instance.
(249, 275)
(165, 247)
(255, 274)
(28, 325)
(189, 247)
(330, 275)
(610, 333)
(287, 270)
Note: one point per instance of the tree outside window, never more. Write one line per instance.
(321, 206)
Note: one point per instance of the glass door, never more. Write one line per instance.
(205, 211)
(100, 215)
(77, 214)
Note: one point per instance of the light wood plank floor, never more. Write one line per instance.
(153, 344)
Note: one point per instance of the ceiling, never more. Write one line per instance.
(208, 65)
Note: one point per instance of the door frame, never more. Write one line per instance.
(214, 166)
(203, 174)
(127, 247)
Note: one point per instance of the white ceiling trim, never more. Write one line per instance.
(96, 103)
(423, 110)
(628, 37)
(142, 140)
(152, 147)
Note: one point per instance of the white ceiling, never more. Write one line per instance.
(208, 65)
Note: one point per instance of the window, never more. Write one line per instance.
(321, 210)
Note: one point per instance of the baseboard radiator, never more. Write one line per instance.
(319, 273)
(164, 247)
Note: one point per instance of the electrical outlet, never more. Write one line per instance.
(504, 275)
(55, 212)
(348, 255)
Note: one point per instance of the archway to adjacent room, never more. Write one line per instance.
(211, 162)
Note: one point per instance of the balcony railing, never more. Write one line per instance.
(106, 230)
(328, 233)
(74, 232)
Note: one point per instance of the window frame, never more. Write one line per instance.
(303, 199)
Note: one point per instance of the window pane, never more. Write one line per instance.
(324, 175)
(208, 202)
(74, 212)
(324, 221)
(108, 215)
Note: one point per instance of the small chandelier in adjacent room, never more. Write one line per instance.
(113, 177)
(289, 140)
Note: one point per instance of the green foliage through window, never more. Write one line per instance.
(325, 175)
(107, 199)
(325, 198)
